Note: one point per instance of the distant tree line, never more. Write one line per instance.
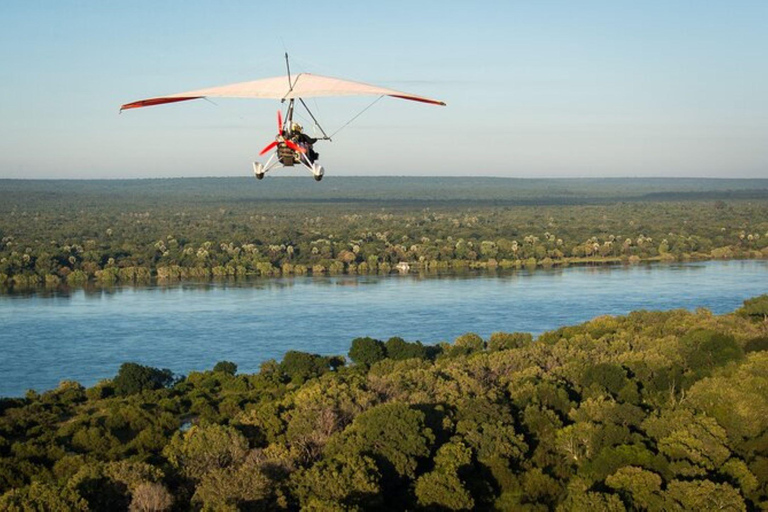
(648, 411)
(92, 239)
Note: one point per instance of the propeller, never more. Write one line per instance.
(280, 138)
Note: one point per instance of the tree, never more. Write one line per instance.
(639, 487)
(98, 489)
(467, 344)
(755, 308)
(133, 474)
(489, 428)
(538, 487)
(442, 487)
(68, 392)
(366, 351)
(41, 496)
(591, 501)
(150, 497)
(605, 376)
(704, 350)
(203, 449)
(759, 344)
(134, 378)
(736, 399)
(399, 349)
(302, 366)
(350, 481)
(611, 459)
(704, 495)
(393, 433)
(233, 488)
(694, 443)
(227, 367)
(509, 340)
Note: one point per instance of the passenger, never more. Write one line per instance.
(305, 141)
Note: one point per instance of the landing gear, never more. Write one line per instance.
(317, 171)
(258, 170)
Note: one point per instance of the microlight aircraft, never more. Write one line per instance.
(290, 147)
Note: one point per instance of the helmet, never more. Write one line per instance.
(296, 128)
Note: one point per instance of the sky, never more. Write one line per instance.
(533, 88)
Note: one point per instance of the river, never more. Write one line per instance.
(86, 335)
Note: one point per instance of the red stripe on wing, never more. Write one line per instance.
(156, 101)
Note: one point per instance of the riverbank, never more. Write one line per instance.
(144, 276)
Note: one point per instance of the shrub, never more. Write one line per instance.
(366, 351)
(134, 378)
(398, 349)
(227, 367)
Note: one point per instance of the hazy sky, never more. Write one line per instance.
(534, 89)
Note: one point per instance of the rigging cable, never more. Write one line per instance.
(358, 115)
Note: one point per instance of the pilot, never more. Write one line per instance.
(305, 141)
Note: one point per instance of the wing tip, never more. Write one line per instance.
(157, 101)
(420, 99)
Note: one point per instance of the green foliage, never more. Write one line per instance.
(606, 377)
(232, 488)
(98, 489)
(134, 378)
(442, 487)
(366, 351)
(398, 349)
(640, 488)
(394, 434)
(693, 443)
(612, 458)
(41, 496)
(738, 401)
(348, 482)
(227, 367)
(509, 340)
(704, 349)
(756, 344)
(704, 495)
(755, 308)
(468, 343)
(489, 428)
(200, 450)
(68, 392)
(302, 366)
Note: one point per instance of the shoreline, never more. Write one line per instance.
(160, 276)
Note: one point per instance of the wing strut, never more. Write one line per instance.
(325, 135)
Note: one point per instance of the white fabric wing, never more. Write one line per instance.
(305, 85)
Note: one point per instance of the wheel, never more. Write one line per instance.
(318, 171)
(258, 170)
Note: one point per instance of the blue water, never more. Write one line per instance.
(85, 336)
